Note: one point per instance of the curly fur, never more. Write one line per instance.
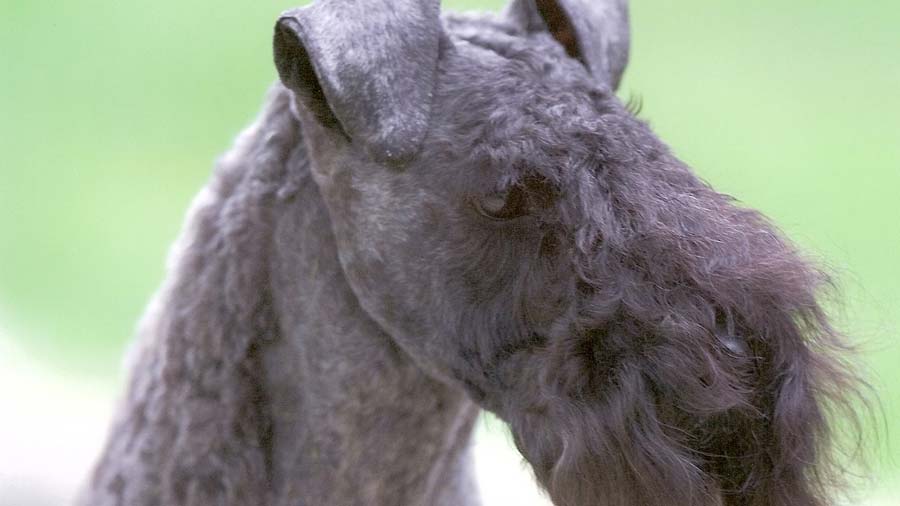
(193, 429)
(689, 359)
(696, 360)
(648, 340)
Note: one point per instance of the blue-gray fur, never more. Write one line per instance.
(601, 29)
(333, 317)
(376, 70)
(246, 391)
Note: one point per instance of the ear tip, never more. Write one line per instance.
(287, 43)
(282, 40)
(396, 148)
(288, 24)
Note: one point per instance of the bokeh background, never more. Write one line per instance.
(111, 114)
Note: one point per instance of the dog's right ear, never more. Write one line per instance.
(367, 67)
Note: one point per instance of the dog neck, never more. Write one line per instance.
(354, 421)
(257, 378)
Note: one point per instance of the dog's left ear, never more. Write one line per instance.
(596, 32)
(369, 66)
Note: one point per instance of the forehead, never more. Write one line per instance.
(488, 43)
(506, 93)
(496, 69)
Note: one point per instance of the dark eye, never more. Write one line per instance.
(531, 194)
(504, 205)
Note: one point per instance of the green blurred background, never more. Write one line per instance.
(111, 114)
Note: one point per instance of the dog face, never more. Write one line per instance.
(519, 233)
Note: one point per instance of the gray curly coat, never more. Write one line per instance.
(431, 217)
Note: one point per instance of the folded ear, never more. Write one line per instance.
(593, 31)
(367, 66)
